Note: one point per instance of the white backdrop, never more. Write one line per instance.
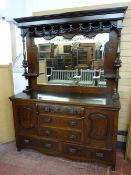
(5, 43)
(21, 8)
(41, 5)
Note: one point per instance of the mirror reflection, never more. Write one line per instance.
(72, 62)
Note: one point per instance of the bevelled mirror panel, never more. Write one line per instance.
(76, 62)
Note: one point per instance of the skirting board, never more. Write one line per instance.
(121, 139)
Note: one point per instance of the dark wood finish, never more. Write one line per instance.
(66, 122)
(83, 130)
(73, 14)
(88, 23)
(76, 122)
(44, 145)
(61, 134)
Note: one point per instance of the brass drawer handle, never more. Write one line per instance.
(47, 119)
(73, 150)
(73, 136)
(48, 145)
(99, 155)
(72, 122)
(26, 141)
(47, 132)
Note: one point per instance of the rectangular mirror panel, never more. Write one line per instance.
(76, 62)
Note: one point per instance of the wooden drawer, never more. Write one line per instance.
(60, 109)
(44, 145)
(78, 152)
(60, 134)
(60, 121)
(102, 155)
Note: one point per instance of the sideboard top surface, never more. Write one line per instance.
(74, 99)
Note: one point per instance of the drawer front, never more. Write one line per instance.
(51, 146)
(76, 152)
(49, 132)
(83, 153)
(102, 155)
(60, 134)
(60, 121)
(60, 109)
(71, 136)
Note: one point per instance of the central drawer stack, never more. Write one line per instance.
(61, 124)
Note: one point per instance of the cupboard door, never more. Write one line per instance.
(99, 127)
(25, 118)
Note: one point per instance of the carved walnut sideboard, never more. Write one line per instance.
(75, 122)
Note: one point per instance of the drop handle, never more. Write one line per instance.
(47, 145)
(47, 119)
(47, 132)
(72, 122)
(99, 155)
(26, 141)
(73, 136)
(73, 150)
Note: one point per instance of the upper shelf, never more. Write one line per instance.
(73, 17)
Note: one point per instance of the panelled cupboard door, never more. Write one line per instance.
(25, 118)
(99, 127)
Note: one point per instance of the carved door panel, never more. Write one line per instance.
(26, 119)
(99, 127)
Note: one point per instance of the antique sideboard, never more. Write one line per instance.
(74, 121)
